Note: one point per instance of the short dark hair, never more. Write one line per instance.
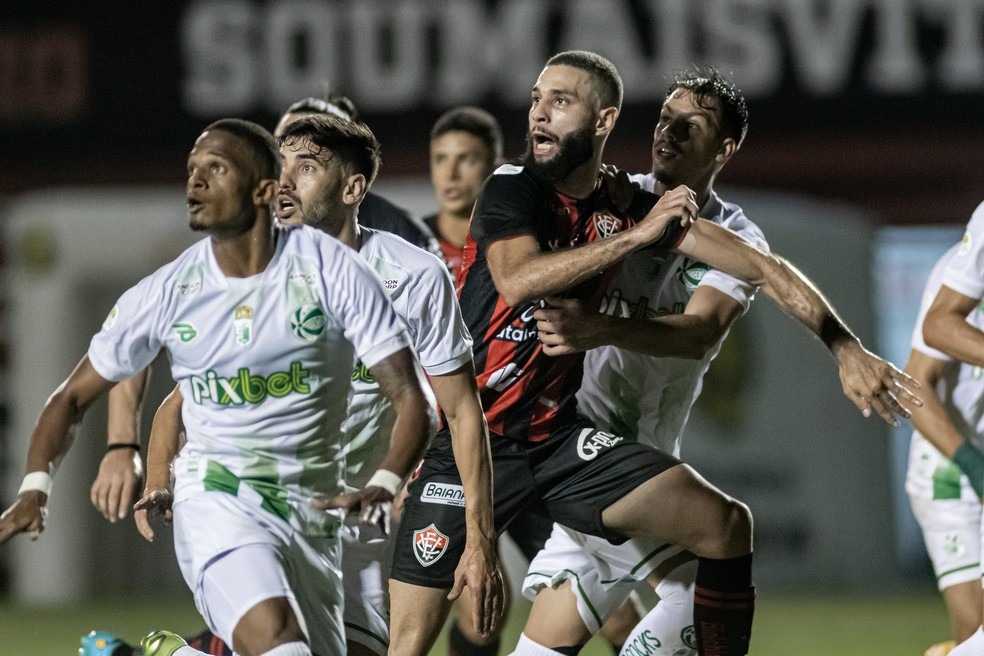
(351, 141)
(474, 121)
(705, 81)
(259, 141)
(340, 106)
(600, 69)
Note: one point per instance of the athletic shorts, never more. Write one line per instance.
(233, 555)
(951, 529)
(570, 477)
(365, 568)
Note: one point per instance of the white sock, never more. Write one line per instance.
(289, 649)
(526, 647)
(668, 629)
(972, 646)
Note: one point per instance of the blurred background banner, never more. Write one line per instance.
(874, 101)
(865, 128)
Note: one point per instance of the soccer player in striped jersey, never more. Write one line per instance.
(544, 229)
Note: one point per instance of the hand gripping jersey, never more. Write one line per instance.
(633, 394)
(264, 364)
(423, 297)
(960, 389)
(525, 393)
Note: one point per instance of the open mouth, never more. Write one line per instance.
(543, 143)
(285, 207)
(194, 205)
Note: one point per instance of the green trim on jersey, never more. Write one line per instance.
(219, 479)
(946, 481)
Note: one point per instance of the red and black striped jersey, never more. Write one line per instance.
(525, 393)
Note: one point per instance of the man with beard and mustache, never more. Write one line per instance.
(546, 229)
(653, 341)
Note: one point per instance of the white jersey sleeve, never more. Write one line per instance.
(965, 269)
(933, 285)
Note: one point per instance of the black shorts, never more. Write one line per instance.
(571, 478)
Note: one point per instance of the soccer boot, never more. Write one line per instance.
(162, 643)
(103, 643)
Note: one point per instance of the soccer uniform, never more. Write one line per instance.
(380, 214)
(942, 498)
(423, 297)
(264, 364)
(453, 254)
(543, 453)
(643, 398)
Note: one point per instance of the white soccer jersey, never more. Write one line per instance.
(264, 364)
(423, 295)
(623, 391)
(964, 271)
(961, 388)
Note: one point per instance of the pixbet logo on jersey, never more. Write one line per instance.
(249, 388)
(429, 545)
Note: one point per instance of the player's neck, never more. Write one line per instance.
(453, 227)
(246, 254)
(582, 181)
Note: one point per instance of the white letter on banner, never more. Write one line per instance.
(303, 41)
(896, 65)
(823, 40)
(388, 54)
(219, 51)
(741, 38)
(961, 65)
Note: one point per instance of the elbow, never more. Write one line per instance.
(514, 295)
(934, 332)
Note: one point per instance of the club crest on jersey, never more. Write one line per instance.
(606, 225)
(429, 545)
(691, 273)
(185, 331)
(307, 322)
(965, 244)
(243, 324)
(689, 637)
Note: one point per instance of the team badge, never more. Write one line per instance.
(606, 225)
(243, 323)
(953, 545)
(965, 244)
(307, 322)
(691, 273)
(185, 331)
(429, 545)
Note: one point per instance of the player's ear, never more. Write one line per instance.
(728, 148)
(606, 120)
(265, 191)
(355, 189)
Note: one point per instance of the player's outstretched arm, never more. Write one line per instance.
(50, 441)
(523, 273)
(568, 326)
(402, 382)
(945, 327)
(163, 446)
(457, 395)
(120, 476)
(871, 383)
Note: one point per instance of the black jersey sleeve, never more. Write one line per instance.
(507, 206)
(642, 202)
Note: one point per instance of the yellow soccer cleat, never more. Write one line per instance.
(162, 643)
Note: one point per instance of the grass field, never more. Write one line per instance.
(854, 625)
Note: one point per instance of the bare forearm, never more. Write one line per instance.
(542, 274)
(125, 405)
(165, 441)
(671, 336)
(952, 334)
(411, 432)
(52, 436)
(469, 441)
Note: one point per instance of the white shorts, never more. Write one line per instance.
(602, 575)
(366, 589)
(951, 529)
(234, 555)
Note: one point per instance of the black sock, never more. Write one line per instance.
(724, 603)
(460, 645)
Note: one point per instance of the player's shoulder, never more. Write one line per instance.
(400, 254)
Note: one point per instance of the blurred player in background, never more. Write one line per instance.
(952, 326)
(465, 147)
(945, 498)
(262, 348)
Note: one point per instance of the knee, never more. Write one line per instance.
(737, 531)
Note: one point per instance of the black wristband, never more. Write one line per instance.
(123, 445)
